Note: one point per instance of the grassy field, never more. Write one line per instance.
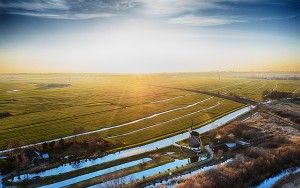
(48, 106)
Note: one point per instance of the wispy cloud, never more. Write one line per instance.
(66, 16)
(64, 9)
(34, 5)
(196, 20)
(184, 12)
(170, 8)
(192, 20)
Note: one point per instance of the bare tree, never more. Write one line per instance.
(92, 143)
(14, 144)
(78, 130)
(62, 143)
(117, 182)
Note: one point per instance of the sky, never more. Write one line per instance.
(149, 36)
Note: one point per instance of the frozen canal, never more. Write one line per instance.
(174, 180)
(269, 182)
(137, 150)
(147, 173)
(97, 173)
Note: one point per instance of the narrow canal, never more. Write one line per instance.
(136, 150)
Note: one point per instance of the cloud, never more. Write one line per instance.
(64, 9)
(68, 8)
(170, 8)
(34, 5)
(184, 12)
(66, 16)
(192, 20)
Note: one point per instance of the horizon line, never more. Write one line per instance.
(173, 72)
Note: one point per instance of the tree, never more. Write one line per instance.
(62, 143)
(52, 144)
(45, 146)
(114, 183)
(78, 130)
(92, 143)
(15, 145)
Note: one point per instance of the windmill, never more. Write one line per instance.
(195, 139)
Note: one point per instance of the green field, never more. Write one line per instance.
(45, 106)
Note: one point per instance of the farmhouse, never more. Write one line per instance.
(227, 144)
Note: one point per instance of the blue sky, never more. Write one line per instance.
(148, 35)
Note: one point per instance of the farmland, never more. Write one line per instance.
(127, 109)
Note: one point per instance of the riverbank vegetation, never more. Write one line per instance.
(249, 168)
(291, 180)
(270, 153)
(53, 153)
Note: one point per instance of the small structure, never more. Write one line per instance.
(217, 145)
(32, 156)
(243, 144)
(230, 145)
(195, 141)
